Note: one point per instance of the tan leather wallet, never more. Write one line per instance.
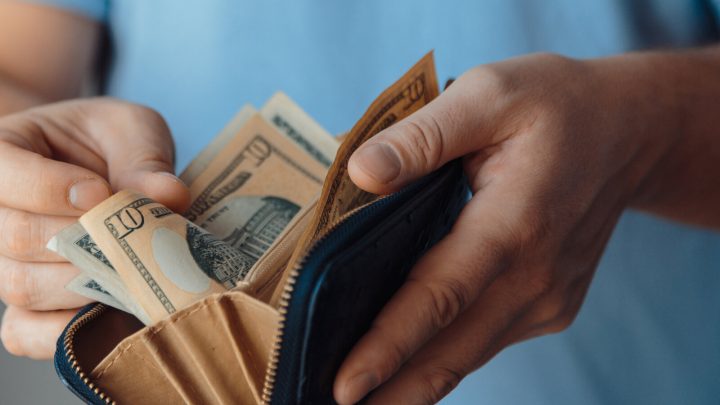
(232, 348)
(236, 348)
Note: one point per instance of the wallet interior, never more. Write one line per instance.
(214, 351)
(234, 347)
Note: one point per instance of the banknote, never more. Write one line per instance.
(267, 271)
(339, 195)
(254, 188)
(413, 90)
(203, 159)
(74, 244)
(164, 260)
(266, 188)
(289, 119)
(246, 196)
(87, 287)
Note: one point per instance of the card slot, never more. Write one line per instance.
(215, 351)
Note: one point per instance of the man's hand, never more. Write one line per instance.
(56, 162)
(554, 151)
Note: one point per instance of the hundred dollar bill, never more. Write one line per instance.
(74, 244)
(339, 195)
(165, 261)
(288, 118)
(87, 287)
(254, 188)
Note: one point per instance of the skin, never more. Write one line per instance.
(58, 159)
(554, 149)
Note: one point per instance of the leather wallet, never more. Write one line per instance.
(233, 348)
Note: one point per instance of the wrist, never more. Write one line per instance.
(676, 95)
(640, 96)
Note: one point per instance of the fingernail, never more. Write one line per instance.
(379, 161)
(85, 194)
(359, 386)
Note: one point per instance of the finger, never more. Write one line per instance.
(38, 184)
(24, 236)
(132, 141)
(556, 312)
(454, 124)
(33, 334)
(139, 151)
(447, 279)
(493, 227)
(489, 325)
(38, 286)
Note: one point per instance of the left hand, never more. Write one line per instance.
(554, 150)
(58, 161)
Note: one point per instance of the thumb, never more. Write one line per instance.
(446, 128)
(140, 153)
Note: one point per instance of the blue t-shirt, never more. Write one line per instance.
(649, 331)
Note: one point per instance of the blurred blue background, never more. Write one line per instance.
(649, 330)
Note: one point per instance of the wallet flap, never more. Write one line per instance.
(348, 277)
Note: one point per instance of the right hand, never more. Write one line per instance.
(57, 162)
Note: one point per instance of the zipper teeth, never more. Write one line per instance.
(70, 352)
(284, 303)
(271, 372)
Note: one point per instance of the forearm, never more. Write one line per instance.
(16, 97)
(43, 65)
(675, 102)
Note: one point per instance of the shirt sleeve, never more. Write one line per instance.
(92, 9)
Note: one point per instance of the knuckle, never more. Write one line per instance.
(541, 286)
(132, 112)
(391, 354)
(551, 58)
(500, 251)
(8, 335)
(19, 287)
(422, 140)
(492, 80)
(20, 236)
(42, 190)
(438, 382)
(533, 229)
(551, 309)
(147, 115)
(396, 353)
(559, 324)
(25, 137)
(447, 299)
(147, 155)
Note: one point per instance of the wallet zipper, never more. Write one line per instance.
(322, 243)
(92, 312)
(269, 382)
(284, 302)
(70, 356)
